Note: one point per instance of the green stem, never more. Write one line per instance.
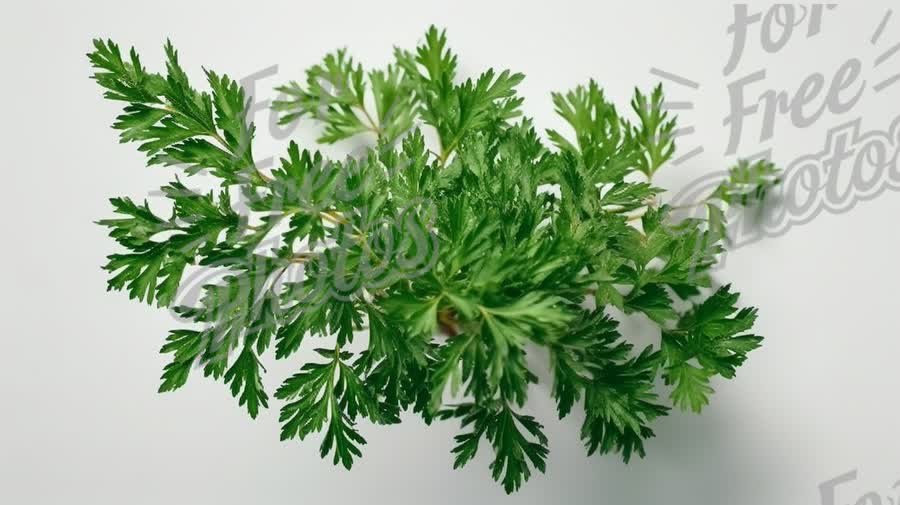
(372, 124)
(261, 179)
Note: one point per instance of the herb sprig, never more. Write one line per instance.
(423, 272)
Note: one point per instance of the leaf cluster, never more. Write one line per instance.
(420, 277)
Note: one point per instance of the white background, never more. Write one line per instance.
(81, 421)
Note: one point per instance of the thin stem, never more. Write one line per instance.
(303, 257)
(333, 217)
(372, 124)
(336, 218)
(221, 140)
(445, 153)
(277, 278)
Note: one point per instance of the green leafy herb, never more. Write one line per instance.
(421, 273)
(747, 183)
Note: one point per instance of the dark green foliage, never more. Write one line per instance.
(424, 275)
(518, 441)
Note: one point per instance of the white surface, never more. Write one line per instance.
(82, 422)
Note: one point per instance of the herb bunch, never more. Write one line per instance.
(423, 270)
